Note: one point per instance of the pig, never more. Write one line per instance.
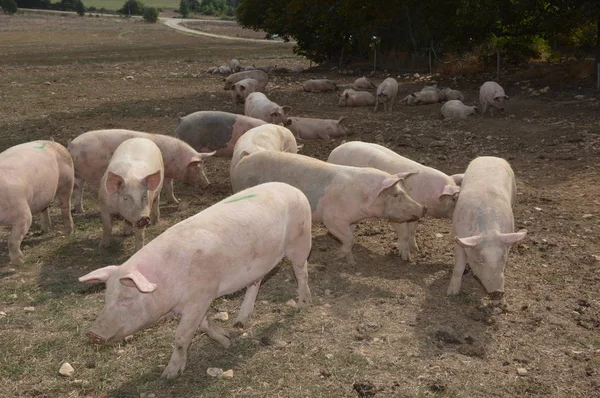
(354, 98)
(242, 89)
(424, 97)
(131, 188)
(428, 186)
(386, 94)
(268, 137)
(319, 86)
(261, 77)
(455, 109)
(483, 224)
(31, 174)
(260, 107)
(92, 151)
(214, 131)
(363, 84)
(231, 245)
(235, 65)
(492, 94)
(224, 70)
(306, 128)
(339, 196)
(450, 94)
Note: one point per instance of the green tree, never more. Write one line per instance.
(184, 8)
(132, 7)
(9, 6)
(150, 15)
(80, 8)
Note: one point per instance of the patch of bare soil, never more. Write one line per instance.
(226, 28)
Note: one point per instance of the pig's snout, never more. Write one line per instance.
(424, 211)
(143, 222)
(95, 338)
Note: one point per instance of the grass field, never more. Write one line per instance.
(114, 5)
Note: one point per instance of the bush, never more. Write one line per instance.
(184, 8)
(80, 8)
(9, 6)
(150, 15)
(132, 7)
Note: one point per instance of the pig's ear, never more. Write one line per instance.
(299, 147)
(286, 109)
(152, 180)
(205, 155)
(511, 239)
(457, 178)
(471, 241)
(113, 182)
(388, 183)
(346, 95)
(100, 275)
(243, 88)
(405, 175)
(450, 190)
(342, 120)
(139, 281)
(413, 95)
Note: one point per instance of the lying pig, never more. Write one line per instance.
(312, 129)
(268, 137)
(319, 86)
(214, 131)
(92, 151)
(450, 94)
(424, 97)
(261, 77)
(227, 247)
(131, 188)
(242, 89)
(339, 196)
(429, 187)
(492, 94)
(353, 98)
(260, 107)
(455, 109)
(386, 94)
(31, 174)
(363, 84)
(483, 224)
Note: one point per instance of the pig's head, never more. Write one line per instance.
(446, 202)
(129, 303)
(487, 254)
(279, 115)
(194, 171)
(134, 205)
(239, 91)
(393, 203)
(499, 100)
(410, 99)
(343, 99)
(382, 97)
(342, 125)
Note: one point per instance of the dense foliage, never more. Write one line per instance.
(132, 7)
(150, 14)
(9, 6)
(62, 5)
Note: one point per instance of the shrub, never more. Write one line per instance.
(150, 15)
(9, 6)
(184, 8)
(132, 7)
(80, 8)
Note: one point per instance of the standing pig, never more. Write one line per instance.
(319, 86)
(242, 89)
(455, 109)
(363, 84)
(483, 224)
(131, 188)
(92, 151)
(356, 98)
(312, 129)
(31, 174)
(260, 107)
(268, 137)
(227, 247)
(424, 97)
(261, 77)
(386, 94)
(492, 94)
(428, 186)
(214, 131)
(235, 65)
(339, 196)
(450, 94)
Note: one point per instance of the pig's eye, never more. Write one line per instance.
(145, 197)
(126, 197)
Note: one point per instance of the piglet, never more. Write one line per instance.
(386, 94)
(424, 97)
(455, 109)
(229, 246)
(492, 94)
(242, 89)
(319, 86)
(363, 84)
(261, 77)
(483, 224)
(450, 94)
(260, 107)
(313, 129)
(354, 98)
(31, 174)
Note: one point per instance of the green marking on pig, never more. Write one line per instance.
(41, 146)
(241, 198)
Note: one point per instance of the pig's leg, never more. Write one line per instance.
(343, 232)
(191, 318)
(78, 195)
(45, 220)
(17, 233)
(412, 236)
(492, 111)
(248, 304)
(168, 185)
(403, 232)
(155, 211)
(392, 104)
(483, 107)
(107, 224)
(127, 228)
(297, 252)
(139, 237)
(377, 105)
(460, 262)
(64, 192)
(323, 135)
(216, 333)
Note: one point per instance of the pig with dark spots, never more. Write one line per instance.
(181, 161)
(260, 107)
(229, 246)
(306, 128)
(261, 77)
(31, 174)
(131, 188)
(428, 186)
(215, 131)
(483, 224)
(340, 196)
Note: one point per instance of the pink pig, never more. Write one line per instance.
(229, 246)
(242, 89)
(354, 98)
(258, 106)
(492, 94)
(31, 174)
(261, 77)
(319, 86)
(313, 129)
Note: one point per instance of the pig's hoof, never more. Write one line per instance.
(173, 201)
(452, 291)
(104, 244)
(172, 371)
(78, 210)
(69, 230)
(18, 262)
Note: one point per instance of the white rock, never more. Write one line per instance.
(13, 297)
(329, 356)
(214, 372)
(183, 205)
(66, 370)
(579, 97)
(522, 371)
(538, 208)
(221, 316)
(438, 235)
(328, 292)
(416, 75)
(588, 215)
(29, 309)
(129, 77)
(2, 313)
(545, 90)
(291, 303)
(119, 352)
(228, 374)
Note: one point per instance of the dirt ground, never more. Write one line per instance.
(224, 28)
(383, 328)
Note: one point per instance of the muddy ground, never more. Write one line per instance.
(382, 328)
